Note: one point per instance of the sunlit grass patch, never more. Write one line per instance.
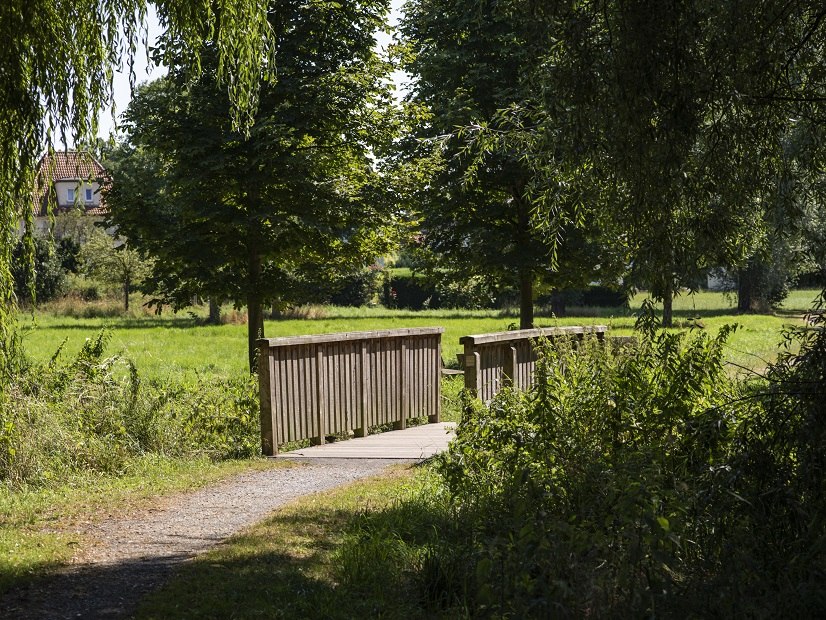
(171, 346)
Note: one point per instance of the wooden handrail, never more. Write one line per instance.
(311, 387)
(521, 334)
(346, 336)
(493, 361)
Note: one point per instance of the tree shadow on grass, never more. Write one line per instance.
(147, 323)
(281, 568)
(93, 591)
(256, 585)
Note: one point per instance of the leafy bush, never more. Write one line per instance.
(68, 251)
(357, 289)
(419, 292)
(593, 296)
(645, 481)
(93, 414)
(634, 481)
(472, 293)
(597, 468)
(410, 292)
(49, 274)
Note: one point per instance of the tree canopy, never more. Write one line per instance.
(472, 60)
(668, 119)
(111, 260)
(56, 71)
(658, 95)
(268, 216)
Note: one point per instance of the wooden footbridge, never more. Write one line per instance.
(321, 388)
(416, 443)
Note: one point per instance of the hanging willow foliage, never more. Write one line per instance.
(57, 63)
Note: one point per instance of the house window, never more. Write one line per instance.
(88, 194)
(70, 195)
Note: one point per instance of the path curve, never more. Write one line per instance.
(133, 555)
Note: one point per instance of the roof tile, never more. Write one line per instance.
(66, 166)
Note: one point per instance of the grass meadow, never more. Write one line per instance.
(172, 345)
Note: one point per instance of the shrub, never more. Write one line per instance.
(419, 292)
(357, 289)
(590, 297)
(631, 481)
(93, 414)
(68, 251)
(581, 488)
(49, 274)
(410, 292)
(473, 293)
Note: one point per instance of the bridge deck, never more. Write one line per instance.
(415, 443)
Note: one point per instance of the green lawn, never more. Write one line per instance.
(175, 345)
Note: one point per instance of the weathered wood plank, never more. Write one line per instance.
(402, 380)
(295, 390)
(321, 391)
(269, 443)
(344, 336)
(520, 334)
(363, 391)
(435, 413)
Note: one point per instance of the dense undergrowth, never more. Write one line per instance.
(93, 413)
(644, 481)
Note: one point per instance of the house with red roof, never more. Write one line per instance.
(68, 180)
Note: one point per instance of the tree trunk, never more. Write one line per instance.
(214, 313)
(525, 298)
(558, 304)
(744, 290)
(255, 328)
(668, 306)
(126, 295)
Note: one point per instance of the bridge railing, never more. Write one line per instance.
(492, 361)
(315, 386)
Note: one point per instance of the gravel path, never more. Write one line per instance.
(133, 555)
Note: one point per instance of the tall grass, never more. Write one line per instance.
(93, 413)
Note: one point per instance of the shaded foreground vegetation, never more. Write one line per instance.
(94, 414)
(644, 481)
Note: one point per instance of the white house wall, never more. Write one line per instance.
(63, 187)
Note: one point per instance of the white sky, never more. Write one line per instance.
(144, 72)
